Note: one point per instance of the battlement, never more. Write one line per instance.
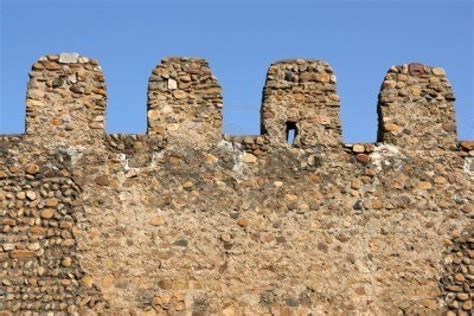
(184, 220)
(66, 102)
(416, 107)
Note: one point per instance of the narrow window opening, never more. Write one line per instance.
(291, 132)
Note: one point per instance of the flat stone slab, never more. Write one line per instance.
(68, 58)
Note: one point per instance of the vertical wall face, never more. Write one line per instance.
(65, 103)
(300, 95)
(416, 108)
(184, 101)
(41, 217)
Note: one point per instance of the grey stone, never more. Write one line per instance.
(172, 84)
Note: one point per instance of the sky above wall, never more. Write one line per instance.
(240, 39)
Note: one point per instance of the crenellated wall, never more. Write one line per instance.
(66, 100)
(184, 220)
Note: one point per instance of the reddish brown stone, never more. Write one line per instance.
(416, 69)
(363, 158)
(102, 180)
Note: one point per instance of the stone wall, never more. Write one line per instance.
(184, 102)
(415, 108)
(301, 94)
(187, 221)
(66, 100)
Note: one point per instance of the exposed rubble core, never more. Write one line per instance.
(187, 221)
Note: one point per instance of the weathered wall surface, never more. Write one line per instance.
(186, 221)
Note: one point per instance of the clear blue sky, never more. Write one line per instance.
(360, 39)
